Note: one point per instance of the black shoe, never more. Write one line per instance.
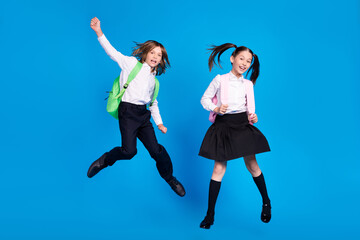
(97, 166)
(177, 187)
(207, 222)
(266, 213)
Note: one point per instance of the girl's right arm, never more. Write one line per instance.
(206, 100)
(124, 62)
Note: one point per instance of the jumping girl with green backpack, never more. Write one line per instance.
(135, 88)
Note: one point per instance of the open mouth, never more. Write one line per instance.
(242, 68)
(153, 61)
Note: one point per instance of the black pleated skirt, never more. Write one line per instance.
(230, 137)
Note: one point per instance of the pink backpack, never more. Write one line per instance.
(224, 86)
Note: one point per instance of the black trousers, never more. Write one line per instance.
(134, 122)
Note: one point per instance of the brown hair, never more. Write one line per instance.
(141, 50)
(218, 50)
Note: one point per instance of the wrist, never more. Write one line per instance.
(99, 33)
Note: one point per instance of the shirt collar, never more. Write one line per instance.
(232, 76)
(147, 66)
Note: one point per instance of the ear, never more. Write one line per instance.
(232, 59)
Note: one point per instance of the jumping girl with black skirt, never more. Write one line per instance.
(232, 134)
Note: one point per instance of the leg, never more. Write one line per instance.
(254, 169)
(215, 183)
(219, 171)
(146, 134)
(128, 129)
(214, 188)
(127, 151)
(252, 165)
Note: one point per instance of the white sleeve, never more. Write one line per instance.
(125, 62)
(211, 91)
(155, 113)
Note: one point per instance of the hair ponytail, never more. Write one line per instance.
(218, 50)
(255, 68)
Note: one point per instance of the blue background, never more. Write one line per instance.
(54, 75)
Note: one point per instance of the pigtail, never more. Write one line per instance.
(218, 50)
(255, 68)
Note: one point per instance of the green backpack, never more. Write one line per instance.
(115, 95)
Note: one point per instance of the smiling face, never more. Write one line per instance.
(153, 57)
(241, 62)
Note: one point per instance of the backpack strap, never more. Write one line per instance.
(131, 77)
(224, 87)
(156, 91)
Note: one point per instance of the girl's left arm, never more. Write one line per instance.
(250, 102)
(155, 114)
(250, 99)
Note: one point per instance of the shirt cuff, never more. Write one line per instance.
(212, 107)
(101, 37)
(157, 121)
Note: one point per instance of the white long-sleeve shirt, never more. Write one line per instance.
(141, 89)
(236, 95)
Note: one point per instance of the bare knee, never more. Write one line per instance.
(219, 171)
(252, 165)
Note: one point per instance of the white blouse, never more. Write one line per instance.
(141, 89)
(236, 95)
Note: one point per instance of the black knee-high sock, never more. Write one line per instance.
(213, 194)
(260, 183)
